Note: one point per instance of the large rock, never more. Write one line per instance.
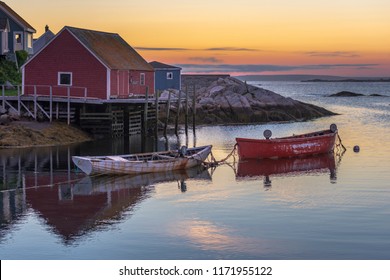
(231, 101)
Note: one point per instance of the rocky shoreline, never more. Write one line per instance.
(25, 133)
(229, 100)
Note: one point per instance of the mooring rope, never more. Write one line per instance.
(214, 162)
(340, 142)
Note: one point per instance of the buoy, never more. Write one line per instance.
(333, 127)
(356, 149)
(267, 134)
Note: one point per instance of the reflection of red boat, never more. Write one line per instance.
(318, 142)
(266, 167)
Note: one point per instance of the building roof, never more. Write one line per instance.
(16, 17)
(111, 49)
(43, 40)
(159, 65)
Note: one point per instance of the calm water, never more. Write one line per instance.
(335, 208)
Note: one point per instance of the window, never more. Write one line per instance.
(29, 41)
(18, 38)
(142, 79)
(64, 79)
(169, 76)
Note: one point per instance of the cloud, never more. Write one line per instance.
(220, 49)
(231, 49)
(161, 49)
(206, 59)
(258, 68)
(333, 54)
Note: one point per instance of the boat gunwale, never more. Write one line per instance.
(294, 138)
(173, 158)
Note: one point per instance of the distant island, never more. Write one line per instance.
(381, 80)
(310, 78)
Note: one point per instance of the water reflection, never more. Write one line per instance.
(267, 168)
(104, 183)
(73, 205)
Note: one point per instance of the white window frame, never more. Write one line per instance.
(29, 41)
(169, 75)
(66, 73)
(142, 79)
(18, 46)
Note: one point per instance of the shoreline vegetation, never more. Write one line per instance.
(26, 133)
(223, 102)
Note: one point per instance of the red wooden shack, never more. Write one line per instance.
(86, 63)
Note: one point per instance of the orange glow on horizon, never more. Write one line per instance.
(281, 33)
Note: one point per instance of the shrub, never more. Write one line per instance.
(9, 72)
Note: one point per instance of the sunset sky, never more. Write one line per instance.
(343, 37)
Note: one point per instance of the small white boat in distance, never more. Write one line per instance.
(143, 163)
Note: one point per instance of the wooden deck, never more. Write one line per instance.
(116, 116)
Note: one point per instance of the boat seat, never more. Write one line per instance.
(116, 158)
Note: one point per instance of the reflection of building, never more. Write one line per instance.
(43, 180)
(72, 215)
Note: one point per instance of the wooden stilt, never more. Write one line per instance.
(145, 130)
(186, 111)
(168, 110)
(193, 109)
(178, 113)
(35, 102)
(156, 126)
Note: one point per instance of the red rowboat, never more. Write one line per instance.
(318, 142)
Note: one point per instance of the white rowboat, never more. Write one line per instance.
(143, 163)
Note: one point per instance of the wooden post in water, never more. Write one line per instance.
(178, 112)
(168, 109)
(157, 93)
(146, 112)
(186, 111)
(193, 109)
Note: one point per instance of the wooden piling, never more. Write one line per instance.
(146, 112)
(156, 105)
(193, 109)
(186, 111)
(178, 113)
(168, 109)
